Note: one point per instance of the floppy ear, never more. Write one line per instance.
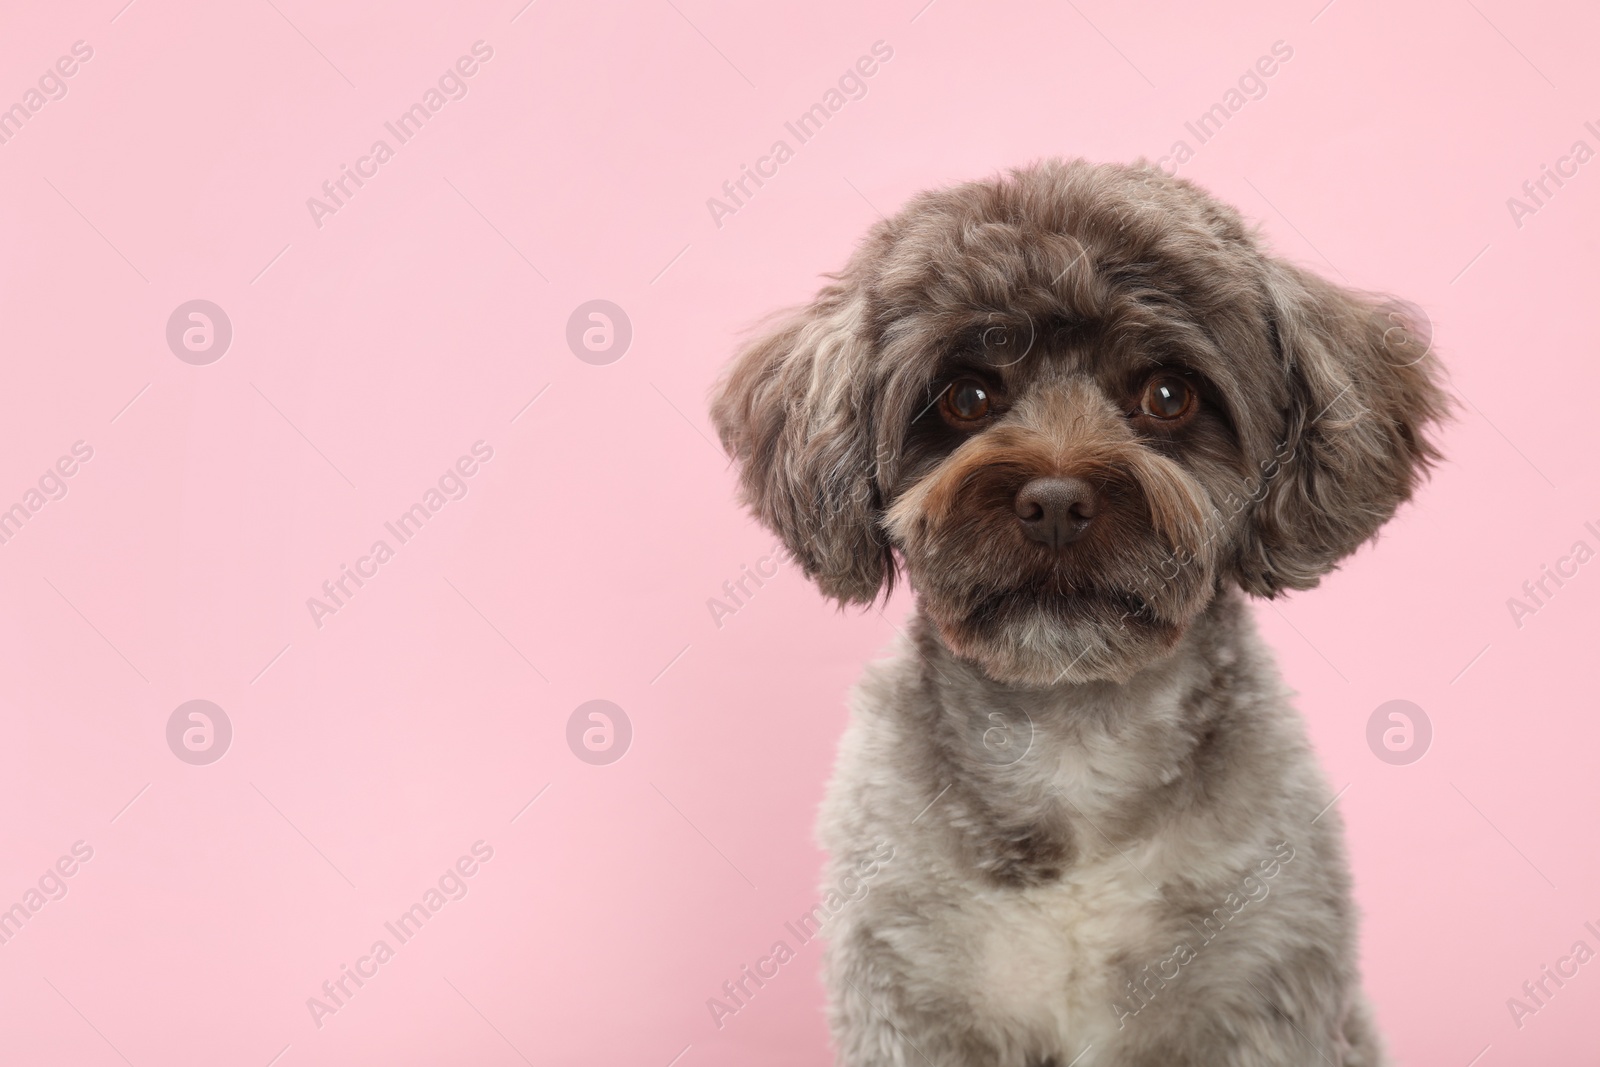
(1362, 393)
(795, 410)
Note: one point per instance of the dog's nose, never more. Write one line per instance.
(1056, 511)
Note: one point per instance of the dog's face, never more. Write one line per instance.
(1071, 404)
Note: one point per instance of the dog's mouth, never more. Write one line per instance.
(1043, 631)
(1099, 607)
(1051, 602)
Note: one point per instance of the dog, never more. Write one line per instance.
(1083, 412)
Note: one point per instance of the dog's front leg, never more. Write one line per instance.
(884, 1015)
(1242, 1027)
(878, 1029)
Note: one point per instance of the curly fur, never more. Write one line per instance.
(1148, 762)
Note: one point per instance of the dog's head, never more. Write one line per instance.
(1071, 404)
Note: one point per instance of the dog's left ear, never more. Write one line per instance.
(796, 411)
(1362, 393)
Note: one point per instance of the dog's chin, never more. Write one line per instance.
(1037, 640)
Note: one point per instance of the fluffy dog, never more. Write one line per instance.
(1082, 410)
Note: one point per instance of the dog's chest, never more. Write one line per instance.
(1049, 958)
(1045, 957)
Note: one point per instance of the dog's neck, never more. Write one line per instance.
(1212, 642)
(1112, 755)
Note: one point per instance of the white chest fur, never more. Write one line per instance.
(1043, 955)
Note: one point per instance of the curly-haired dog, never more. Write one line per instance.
(1081, 410)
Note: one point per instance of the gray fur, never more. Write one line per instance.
(1109, 831)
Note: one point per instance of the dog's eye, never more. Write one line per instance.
(1167, 397)
(965, 401)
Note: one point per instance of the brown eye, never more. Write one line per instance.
(965, 400)
(1167, 397)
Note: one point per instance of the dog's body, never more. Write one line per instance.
(1140, 868)
(1081, 409)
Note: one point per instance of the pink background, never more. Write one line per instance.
(368, 354)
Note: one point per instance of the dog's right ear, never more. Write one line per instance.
(796, 411)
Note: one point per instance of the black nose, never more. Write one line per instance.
(1056, 511)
